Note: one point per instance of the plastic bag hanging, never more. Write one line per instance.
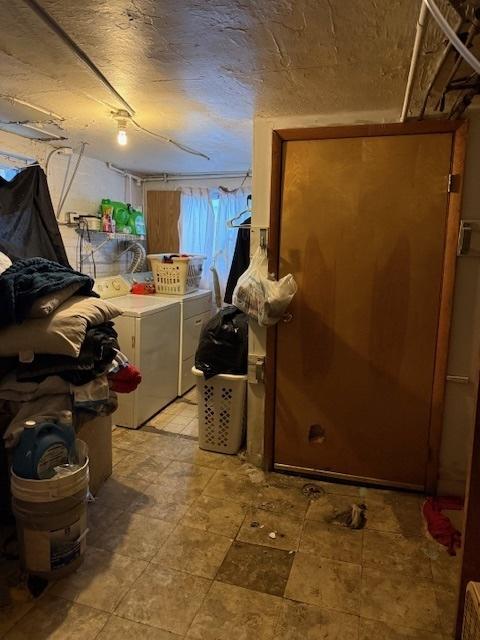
(260, 298)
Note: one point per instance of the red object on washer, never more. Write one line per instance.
(143, 288)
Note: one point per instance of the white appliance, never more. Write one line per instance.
(196, 310)
(149, 335)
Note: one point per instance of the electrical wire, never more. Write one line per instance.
(49, 156)
(64, 181)
(79, 159)
(179, 145)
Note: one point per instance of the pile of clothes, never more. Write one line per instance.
(58, 346)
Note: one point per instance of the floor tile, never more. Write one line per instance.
(135, 536)
(325, 583)
(326, 508)
(333, 542)
(373, 630)
(233, 613)
(118, 455)
(130, 439)
(120, 492)
(231, 486)
(100, 519)
(397, 599)
(259, 524)
(165, 599)
(282, 498)
(181, 419)
(57, 619)
(186, 480)
(395, 512)
(218, 516)
(160, 502)
(192, 454)
(191, 429)
(445, 568)
(299, 621)
(395, 552)
(173, 427)
(121, 629)
(447, 600)
(101, 581)
(142, 466)
(195, 551)
(163, 445)
(19, 605)
(257, 568)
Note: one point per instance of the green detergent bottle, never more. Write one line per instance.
(137, 221)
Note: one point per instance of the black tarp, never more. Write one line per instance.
(28, 227)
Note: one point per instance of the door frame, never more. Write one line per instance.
(459, 130)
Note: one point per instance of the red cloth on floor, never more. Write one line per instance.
(439, 526)
(125, 380)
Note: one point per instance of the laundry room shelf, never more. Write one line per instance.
(104, 235)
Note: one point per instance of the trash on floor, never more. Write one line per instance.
(272, 534)
(353, 518)
(439, 525)
(312, 491)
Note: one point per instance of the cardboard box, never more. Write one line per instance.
(97, 433)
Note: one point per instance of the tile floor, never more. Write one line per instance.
(180, 547)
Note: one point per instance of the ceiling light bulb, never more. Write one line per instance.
(122, 132)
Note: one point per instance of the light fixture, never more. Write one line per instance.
(122, 118)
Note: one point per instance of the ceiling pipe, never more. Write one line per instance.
(177, 177)
(439, 18)
(125, 173)
(46, 112)
(472, 32)
(417, 45)
(441, 62)
(73, 46)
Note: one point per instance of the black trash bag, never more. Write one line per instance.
(223, 345)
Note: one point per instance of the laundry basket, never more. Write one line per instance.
(221, 411)
(180, 276)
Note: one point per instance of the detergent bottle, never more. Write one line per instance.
(46, 443)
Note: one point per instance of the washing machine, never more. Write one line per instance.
(149, 335)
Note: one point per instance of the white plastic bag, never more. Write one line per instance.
(260, 298)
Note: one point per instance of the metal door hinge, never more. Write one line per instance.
(256, 368)
(453, 182)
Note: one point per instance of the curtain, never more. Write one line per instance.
(229, 206)
(196, 228)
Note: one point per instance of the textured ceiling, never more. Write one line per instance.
(200, 70)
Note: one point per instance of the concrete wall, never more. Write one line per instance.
(465, 339)
(94, 181)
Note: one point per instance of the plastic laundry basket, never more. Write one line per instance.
(179, 276)
(221, 411)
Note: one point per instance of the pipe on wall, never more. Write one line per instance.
(412, 72)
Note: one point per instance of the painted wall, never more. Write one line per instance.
(465, 338)
(93, 181)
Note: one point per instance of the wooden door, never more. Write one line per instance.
(163, 211)
(363, 227)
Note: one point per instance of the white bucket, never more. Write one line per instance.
(52, 520)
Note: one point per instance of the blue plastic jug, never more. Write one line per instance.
(44, 445)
